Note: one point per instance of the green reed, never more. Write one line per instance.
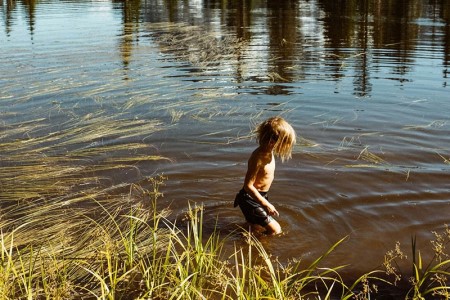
(427, 280)
(115, 251)
(131, 250)
(431, 279)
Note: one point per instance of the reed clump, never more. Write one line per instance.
(429, 278)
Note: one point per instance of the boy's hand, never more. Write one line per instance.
(272, 210)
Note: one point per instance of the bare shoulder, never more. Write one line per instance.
(259, 157)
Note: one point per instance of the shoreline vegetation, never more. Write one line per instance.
(68, 232)
(122, 247)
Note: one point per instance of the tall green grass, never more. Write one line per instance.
(136, 252)
(129, 250)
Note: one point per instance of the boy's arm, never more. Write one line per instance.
(254, 164)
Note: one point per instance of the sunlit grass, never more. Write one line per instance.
(446, 160)
(428, 279)
(433, 124)
(196, 45)
(129, 250)
(117, 245)
(64, 234)
(123, 250)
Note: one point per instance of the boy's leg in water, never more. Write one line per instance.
(273, 227)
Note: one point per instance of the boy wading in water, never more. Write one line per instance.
(275, 136)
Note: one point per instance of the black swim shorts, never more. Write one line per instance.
(252, 210)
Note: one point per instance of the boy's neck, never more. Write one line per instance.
(266, 149)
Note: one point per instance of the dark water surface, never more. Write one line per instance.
(364, 83)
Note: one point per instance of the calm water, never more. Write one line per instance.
(364, 83)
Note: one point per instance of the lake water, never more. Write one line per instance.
(364, 83)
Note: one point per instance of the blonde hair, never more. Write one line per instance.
(277, 130)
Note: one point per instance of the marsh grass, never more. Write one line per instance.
(135, 252)
(123, 248)
(65, 234)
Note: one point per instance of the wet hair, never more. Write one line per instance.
(277, 130)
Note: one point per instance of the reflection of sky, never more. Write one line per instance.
(310, 25)
(14, 27)
(257, 49)
(196, 7)
(252, 60)
(55, 22)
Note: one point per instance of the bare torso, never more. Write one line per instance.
(259, 177)
(265, 171)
